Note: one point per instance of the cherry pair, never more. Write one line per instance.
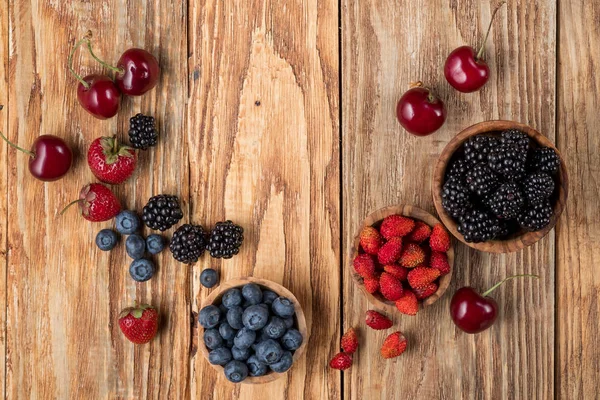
(137, 72)
(421, 112)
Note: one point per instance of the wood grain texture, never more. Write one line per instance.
(263, 151)
(386, 45)
(578, 250)
(3, 189)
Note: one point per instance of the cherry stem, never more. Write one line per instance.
(104, 63)
(418, 84)
(29, 153)
(86, 38)
(480, 52)
(490, 290)
(69, 205)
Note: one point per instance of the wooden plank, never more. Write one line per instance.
(263, 149)
(64, 295)
(386, 45)
(578, 252)
(4, 39)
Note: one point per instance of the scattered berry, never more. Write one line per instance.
(439, 261)
(421, 276)
(412, 255)
(127, 222)
(364, 265)
(545, 160)
(424, 292)
(188, 243)
(110, 161)
(139, 324)
(225, 240)
(106, 239)
(390, 251)
(395, 226)
(349, 342)
(408, 303)
(162, 212)
(97, 203)
(370, 240)
(397, 271)
(236, 371)
(421, 232)
(155, 243)
(377, 321)
(440, 239)
(536, 217)
(394, 345)
(141, 270)
(209, 278)
(142, 132)
(135, 245)
(341, 361)
(371, 284)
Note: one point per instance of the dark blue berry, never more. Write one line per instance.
(209, 316)
(244, 338)
(289, 322)
(283, 307)
(135, 246)
(155, 243)
(212, 339)
(292, 339)
(269, 297)
(220, 356)
(223, 309)
(236, 371)
(268, 352)
(275, 328)
(284, 363)
(229, 343)
(255, 317)
(240, 354)
(127, 222)
(209, 278)
(232, 298)
(141, 270)
(226, 331)
(252, 294)
(256, 367)
(234, 317)
(262, 336)
(106, 239)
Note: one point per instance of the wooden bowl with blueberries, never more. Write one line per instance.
(500, 186)
(253, 330)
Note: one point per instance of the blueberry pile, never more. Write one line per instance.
(499, 186)
(251, 333)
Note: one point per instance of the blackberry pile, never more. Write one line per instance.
(498, 186)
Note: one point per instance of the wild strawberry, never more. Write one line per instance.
(439, 239)
(139, 324)
(396, 226)
(390, 287)
(393, 345)
(439, 261)
(370, 240)
(408, 303)
(424, 292)
(419, 277)
(349, 341)
(341, 361)
(364, 265)
(371, 284)
(421, 232)
(97, 203)
(110, 161)
(390, 252)
(377, 321)
(412, 255)
(397, 271)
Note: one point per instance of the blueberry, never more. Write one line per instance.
(141, 270)
(256, 367)
(135, 246)
(283, 307)
(209, 278)
(268, 352)
(223, 309)
(252, 294)
(155, 243)
(226, 331)
(292, 339)
(236, 371)
(127, 222)
(232, 298)
(229, 343)
(234, 317)
(269, 297)
(255, 317)
(244, 338)
(284, 363)
(289, 322)
(220, 356)
(212, 339)
(209, 316)
(275, 328)
(262, 336)
(106, 239)
(240, 354)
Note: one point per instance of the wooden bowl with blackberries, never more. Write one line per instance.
(500, 186)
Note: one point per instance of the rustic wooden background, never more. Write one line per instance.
(280, 116)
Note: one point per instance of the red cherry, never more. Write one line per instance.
(420, 112)
(464, 70)
(100, 98)
(138, 72)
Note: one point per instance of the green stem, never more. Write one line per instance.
(29, 153)
(480, 52)
(69, 205)
(86, 38)
(490, 290)
(106, 65)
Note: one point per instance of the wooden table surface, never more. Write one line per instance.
(280, 116)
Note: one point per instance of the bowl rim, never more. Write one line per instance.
(281, 291)
(373, 218)
(496, 126)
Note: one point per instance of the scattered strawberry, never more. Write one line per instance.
(421, 232)
(412, 255)
(424, 292)
(371, 284)
(139, 324)
(439, 261)
(439, 239)
(341, 361)
(364, 265)
(390, 286)
(397, 271)
(349, 341)
(377, 321)
(396, 226)
(390, 252)
(408, 303)
(110, 161)
(419, 277)
(370, 240)
(96, 202)
(394, 345)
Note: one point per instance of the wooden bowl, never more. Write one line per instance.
(524, 238)
(215, 299)
(374, 219)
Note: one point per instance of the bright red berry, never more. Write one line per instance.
(139, 324)
(110, 161)
(96, 203)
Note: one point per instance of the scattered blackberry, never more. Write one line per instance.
(188, 243)
(538, 187)
(507, 202)
(225, 240)
(481, 180)
(142, 132)
(508, 158)
(477, 148)
(536, 217)
(545, 160)
(479, 226)
(458, 170)
(455, 198)
(162, 212)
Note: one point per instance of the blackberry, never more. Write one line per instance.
(162, 212)
(538, 187)
(479, 226)
(536, 217)
(507, 202)
(545, 160)
(142, 132)
(481, 180)
(477, 148)
(455, 198)
(188, 243)
(225, 240)
(458, 170)
(508, 158)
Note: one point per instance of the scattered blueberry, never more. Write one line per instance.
(269, 296)
(212, 339)
(244, 338)
(141, 270)
(155, 243)
(252, 294)
(268, 352)
(289, 322)
(220, 356)
(106, 239)
(226, 331)
(255, 317)
(256, 367)
(234, 317)
(275, 328)
(209, 316)
(240, 354)
(135, 246)
(283, 307)
(292, 339)
(209, 278)
(236, 371)
(284, 363)
(127, 222)
(232, 298)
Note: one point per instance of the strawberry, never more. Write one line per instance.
(439, 239)
(364, 265)
(396, 226)
(408, 303)
(341, 361)
(96, 202)
(397, 271)
(371, 284)
(349, 341)
(421, 232)
(377, 321)
(390, 252)
(439, 261)
(412, 255)
(370, 240)
(139, 324)
(390, 286)
(419, 277)
(393, 345)
(110, 161)
(424, 292)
